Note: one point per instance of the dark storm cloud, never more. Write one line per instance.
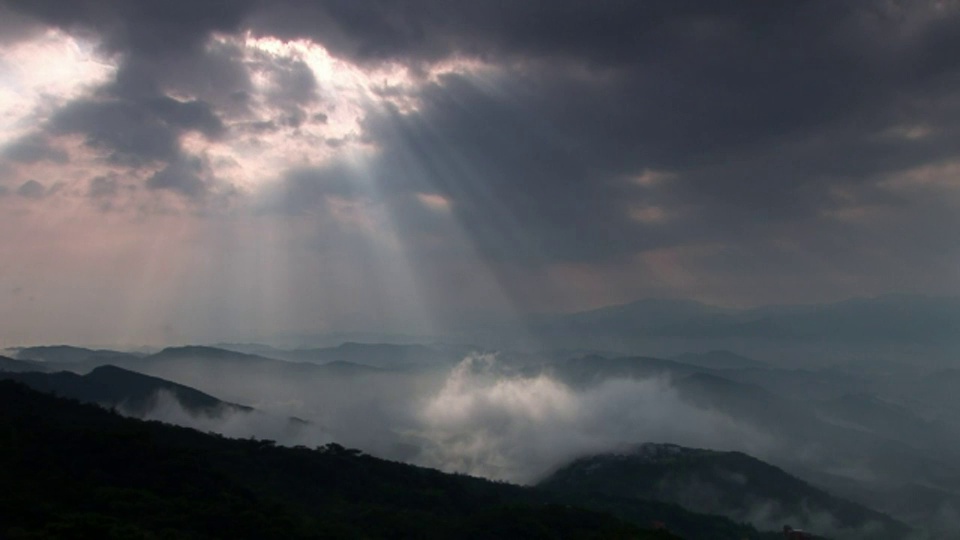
(135, 124)
(521, 188)
(162, 45)
(15, 26)
(128, 131)
(31, 189)
(144, 27)
(163, 48)
(304, 189)
(759, 113)
(294, 82)
(432, 29)
(33, 148)
(214, 74)
(186, 115)
(136, 131)
(102, 187)
(184, 175)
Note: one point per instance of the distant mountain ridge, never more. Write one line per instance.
(135, 393)
(66, 353)
(591, 369)
(381, 355)
(9, 364)
(198, 357)
(720, 359)
(342, 359)
(887, 318)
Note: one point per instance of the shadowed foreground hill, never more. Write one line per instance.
(71, 470)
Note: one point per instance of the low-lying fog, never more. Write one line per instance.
(518, 428)
(476, 417)
(887, 445)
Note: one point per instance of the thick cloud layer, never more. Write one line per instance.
(574, 155)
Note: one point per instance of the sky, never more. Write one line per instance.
(192, 171)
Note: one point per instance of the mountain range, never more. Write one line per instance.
(124, 478)
(132, 392)
(896, 319)
(828, 424)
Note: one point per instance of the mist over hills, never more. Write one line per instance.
(804, 436)
(460, 269)
(66, 354)
(929, 324)
(9, 364)
(874, 431)
(211, 359)
(387, 400)
(202, 486)
(644, 504)
(115, 387)
(733, 484)
(142, 396)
